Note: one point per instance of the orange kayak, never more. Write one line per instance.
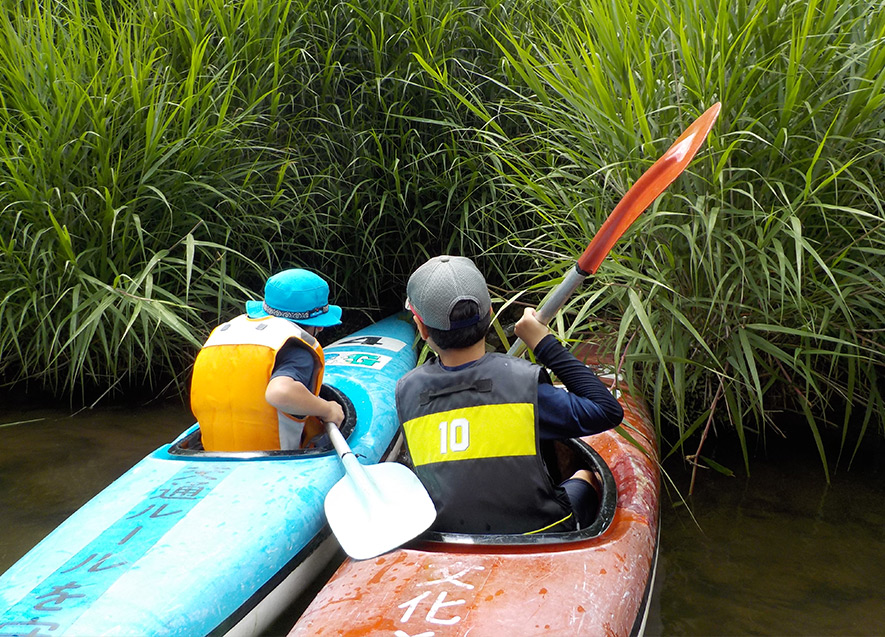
(595, 581)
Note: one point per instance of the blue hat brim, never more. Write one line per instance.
(327, 319)
(255, 309)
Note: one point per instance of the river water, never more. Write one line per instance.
(779, 553)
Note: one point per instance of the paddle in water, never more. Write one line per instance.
(652, 183)
(375, 508)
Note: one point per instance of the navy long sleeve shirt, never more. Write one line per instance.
(588, 406)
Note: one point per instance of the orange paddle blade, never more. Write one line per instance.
(647, 188)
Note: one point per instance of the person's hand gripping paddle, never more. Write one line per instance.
(375, 508)
(652, 183)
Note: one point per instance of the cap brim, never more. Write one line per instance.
(255, 309)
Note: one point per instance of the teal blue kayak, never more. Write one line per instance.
(190, 542)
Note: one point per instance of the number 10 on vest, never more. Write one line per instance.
(454, 436)
(472, 433)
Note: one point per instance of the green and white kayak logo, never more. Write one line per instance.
(363, 359)
(357, 359)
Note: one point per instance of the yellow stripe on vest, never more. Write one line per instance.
(485, 431)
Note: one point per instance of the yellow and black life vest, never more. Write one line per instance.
(230, 378)
(472, 435)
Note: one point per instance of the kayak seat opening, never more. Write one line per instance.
(563, 459)
(192, 444)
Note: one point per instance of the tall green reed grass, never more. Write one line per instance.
(160, 158)
(124, 146)
(754, 286)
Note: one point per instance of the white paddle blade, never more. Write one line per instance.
(379, 510)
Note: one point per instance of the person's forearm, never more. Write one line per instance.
(292, 397)
(577, 377)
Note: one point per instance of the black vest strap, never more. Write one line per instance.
(483, 385)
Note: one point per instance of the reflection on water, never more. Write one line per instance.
(51, 463)
(781, 553)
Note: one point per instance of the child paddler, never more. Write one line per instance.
(474, 421)
(257, 379)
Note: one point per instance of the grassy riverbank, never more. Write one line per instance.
(158, 158)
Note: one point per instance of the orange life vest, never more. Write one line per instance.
(230, 378)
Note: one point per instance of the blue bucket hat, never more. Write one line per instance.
(299, 296)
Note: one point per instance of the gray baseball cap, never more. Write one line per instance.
(437, 286)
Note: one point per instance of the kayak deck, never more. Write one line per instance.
(573, 584)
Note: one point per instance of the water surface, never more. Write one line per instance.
(779, 553)
(51, 463)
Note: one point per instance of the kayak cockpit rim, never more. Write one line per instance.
(589, 458)
(190, 443)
